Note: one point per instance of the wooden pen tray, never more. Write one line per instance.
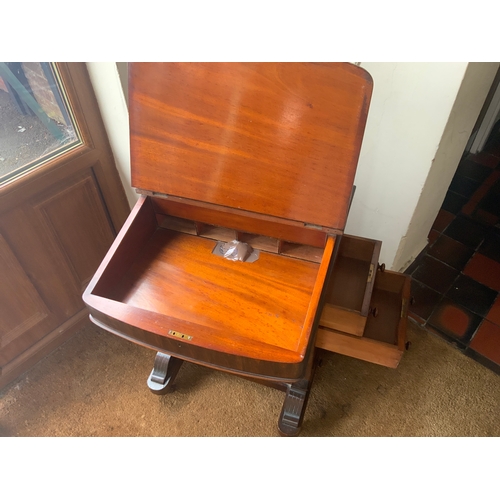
(162, 286)
(349, 289)
(384, 337)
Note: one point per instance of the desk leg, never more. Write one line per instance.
(296, 398)
(164, 372)
(294, 408)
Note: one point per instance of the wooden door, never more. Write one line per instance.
(58, 216)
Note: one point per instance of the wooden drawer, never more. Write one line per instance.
(349, 290)
(384, 337)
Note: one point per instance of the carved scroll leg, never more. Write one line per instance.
(164, 372)
(294, 408)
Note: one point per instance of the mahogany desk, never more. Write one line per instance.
(262, 153)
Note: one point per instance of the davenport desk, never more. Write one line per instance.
(258, 159)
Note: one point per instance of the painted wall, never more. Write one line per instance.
(409, 112)
(410, 106)
(110, 97)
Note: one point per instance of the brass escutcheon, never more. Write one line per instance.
(180, 335)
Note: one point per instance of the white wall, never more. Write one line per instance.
(109, 94)
(409, 110)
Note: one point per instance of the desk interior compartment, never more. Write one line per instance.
(349, 290)
(162, 272)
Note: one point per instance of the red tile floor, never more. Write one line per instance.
(456, 279)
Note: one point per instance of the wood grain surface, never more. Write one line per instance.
(281, 139)
(156, 280)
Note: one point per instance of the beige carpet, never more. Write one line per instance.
(95, 385)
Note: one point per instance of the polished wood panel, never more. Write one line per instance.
(248, 358)
(168, 280)
(365, 349)
(24, 313)
(345, 321)
(83, 236)
(177, 275)
(281, 139)
(126, 248)
(117, 321)
(42, 261)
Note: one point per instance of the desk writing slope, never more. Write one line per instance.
(276, 139)
(261, 153)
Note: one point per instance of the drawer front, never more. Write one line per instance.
(384, 337)
(349, 290)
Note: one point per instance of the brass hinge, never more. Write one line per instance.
(404, 307)
(370, 273)
(313, 226)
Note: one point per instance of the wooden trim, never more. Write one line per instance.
(77, 76)
(316, 296)
(142, 215)
(364, 349)
(57, 169)
(194, 359)
(343, 320)
(240, 220)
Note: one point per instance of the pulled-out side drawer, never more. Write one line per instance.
(384, 337)
(349, 290)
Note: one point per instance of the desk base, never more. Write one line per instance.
(167, 367)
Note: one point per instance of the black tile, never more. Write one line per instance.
(491, 201)
(455, 321)
(435, 274)
(492, 145)
(463, 185)
(453, 202)
(490, 247)
(424, 299)
(451, 252)
(473, 170)
(472, 295)
(466, 231)
(442, 220)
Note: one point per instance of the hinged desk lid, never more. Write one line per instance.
(281, 139)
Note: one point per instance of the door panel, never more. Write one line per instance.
(57, 218)
(25, 314)
(83, 237)
(41, 260)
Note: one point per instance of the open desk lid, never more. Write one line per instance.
(281, 139)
